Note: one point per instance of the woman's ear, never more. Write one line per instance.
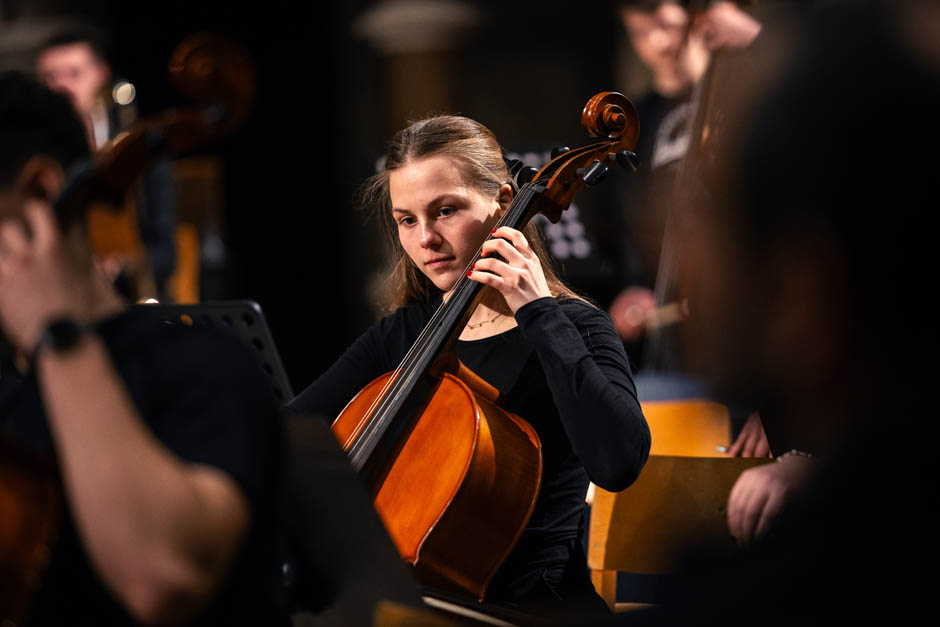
(504, 196)
(41, 178)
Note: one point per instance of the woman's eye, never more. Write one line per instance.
(406, 221)
(446, 211)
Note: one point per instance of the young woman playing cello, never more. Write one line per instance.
(555, 358)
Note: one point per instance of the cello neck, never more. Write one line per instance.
(430, 355)
(609, 116)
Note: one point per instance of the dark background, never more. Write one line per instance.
(327, 101)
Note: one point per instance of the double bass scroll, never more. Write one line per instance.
(211, 70)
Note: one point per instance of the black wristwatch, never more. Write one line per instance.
(59, 335)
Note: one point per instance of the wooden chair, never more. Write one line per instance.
(678, 499)
(688, 427)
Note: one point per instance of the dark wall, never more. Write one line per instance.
(287, 201)
(297, 243)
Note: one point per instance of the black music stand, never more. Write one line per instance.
(344, 565)
(342, 561)
(245, 319)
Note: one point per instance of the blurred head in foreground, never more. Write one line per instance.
(808, 252)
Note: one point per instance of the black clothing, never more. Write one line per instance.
(157, 216)
(563, 370)
(206, 398)
(661, 147)
(646, 201)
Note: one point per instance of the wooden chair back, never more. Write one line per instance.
(678, 500)
(688, 427)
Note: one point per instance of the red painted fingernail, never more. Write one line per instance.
(472, 266)
(493, 231)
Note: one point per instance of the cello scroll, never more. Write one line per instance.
(607, 115)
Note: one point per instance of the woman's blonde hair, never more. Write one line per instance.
(481, 164)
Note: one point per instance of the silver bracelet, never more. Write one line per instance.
(796, 452)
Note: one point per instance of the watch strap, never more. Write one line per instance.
(60, 334)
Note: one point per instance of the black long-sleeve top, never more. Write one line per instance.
(563, 369)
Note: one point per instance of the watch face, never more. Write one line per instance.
(59, 335)
(64, 333)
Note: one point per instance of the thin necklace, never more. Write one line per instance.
(480, 324)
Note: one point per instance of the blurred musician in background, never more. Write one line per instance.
(672, 43)
(670, 46)
(138, 252)
(166, 436)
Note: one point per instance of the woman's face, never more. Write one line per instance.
(442, 220)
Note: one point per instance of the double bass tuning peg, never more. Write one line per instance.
(559, 150)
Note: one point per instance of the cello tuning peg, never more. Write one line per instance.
(512, 165)
(520, 172)
(559, 150)
(525, 175)
(594, 173)
(628, 160)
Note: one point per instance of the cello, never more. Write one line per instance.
(429, 438)
(219, 77)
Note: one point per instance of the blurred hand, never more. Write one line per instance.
(724, 25)
(38, 280)
(113, 265)
(751, 441)
(630, 311)
(761, 493)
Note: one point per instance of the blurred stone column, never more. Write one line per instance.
(417, 39)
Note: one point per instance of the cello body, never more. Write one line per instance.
(465, 458)
(31, 500)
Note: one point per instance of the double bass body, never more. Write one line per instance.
(463, 459)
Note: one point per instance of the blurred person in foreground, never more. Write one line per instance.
(817, 209)
(166, 437)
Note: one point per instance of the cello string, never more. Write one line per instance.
(427, 346)
(559, 175)
(383, 409)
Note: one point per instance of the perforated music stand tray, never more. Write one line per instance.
(245, 319)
